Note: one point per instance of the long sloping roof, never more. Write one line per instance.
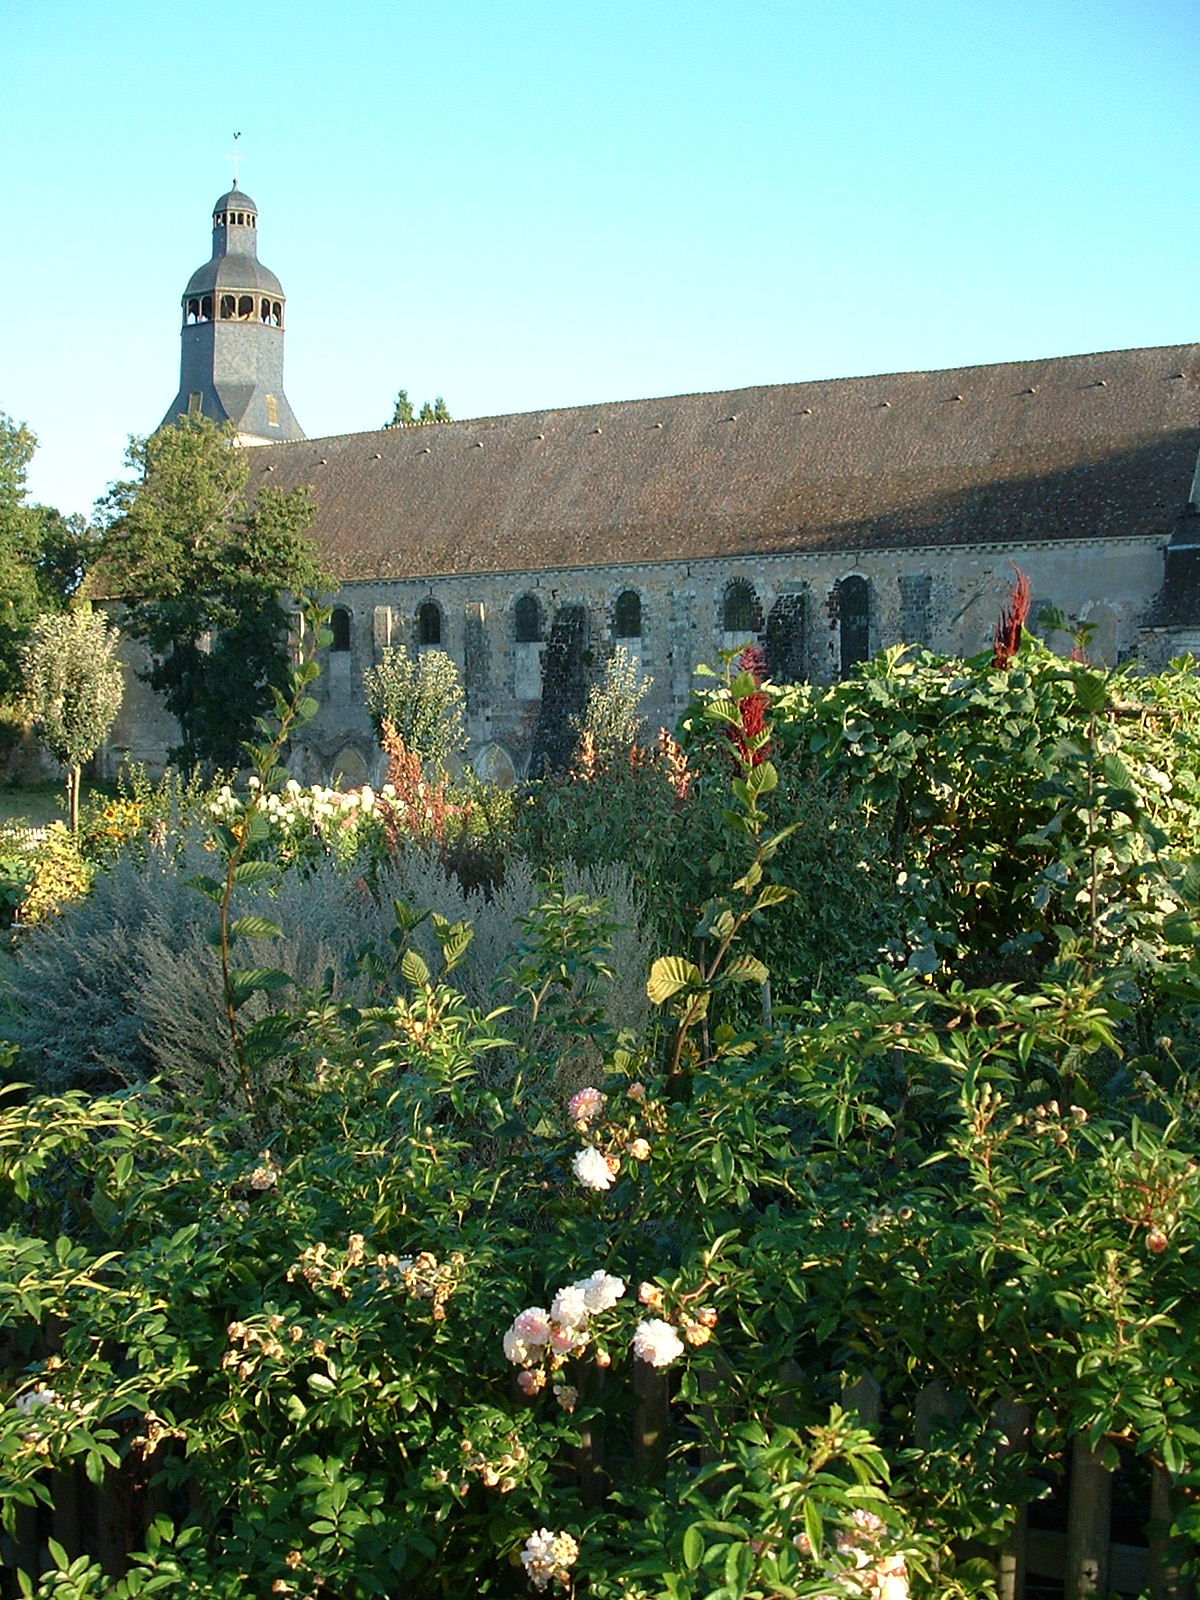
(1093, 446)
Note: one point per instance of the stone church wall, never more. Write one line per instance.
(521, 691)
(947, 599)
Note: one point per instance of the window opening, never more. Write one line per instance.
(854, 621)
(627, 617)
(527, 620)
(740, 612)
(339, 624)
(429, 622)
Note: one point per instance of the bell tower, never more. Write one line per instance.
(231, 363)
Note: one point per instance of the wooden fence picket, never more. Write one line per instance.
(110, 1521)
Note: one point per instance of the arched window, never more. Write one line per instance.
(627, 616)
(854, 621)
(206, 306)
(740, 611)
(429, 622)
(527, 620)
(193, 311)
(246, 305)
(339, 623)
(228, 306)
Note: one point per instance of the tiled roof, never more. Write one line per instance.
(1091, 446)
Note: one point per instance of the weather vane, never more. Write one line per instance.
(235, 157)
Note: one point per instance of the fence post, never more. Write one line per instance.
(26, 1551)
(1012, 1418)
(934, 1404)
(1166, 1581)
(650, 1385)
(64, 1487)
(1087, 1523)
(863, 1396)
(589, 1456)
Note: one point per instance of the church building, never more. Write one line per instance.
(823, 519)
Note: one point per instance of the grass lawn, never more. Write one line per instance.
(33, 805)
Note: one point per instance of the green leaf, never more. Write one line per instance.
(414, 969)
(693, 1547)
(813, 1526)
(773, 894)
(670, 974)
(208, 886)
(746, 969)
(245, 981)
(254, 927)
(247, 872)
(1091, 690)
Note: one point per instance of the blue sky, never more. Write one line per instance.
(541, 202)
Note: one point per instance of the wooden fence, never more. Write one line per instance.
(1077, 1559)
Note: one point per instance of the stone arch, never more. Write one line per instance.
(785, 638)
(495, 765)
(854, 621)
(339, 627)
(627, 615)
(740, 610)
(349, 770)
(429, 623)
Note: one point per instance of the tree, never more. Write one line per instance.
(42, 554)
(403, 415)
(73, 688)
(203, 575)
(422, 699)
(612, 721)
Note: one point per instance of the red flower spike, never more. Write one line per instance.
(1012, 619)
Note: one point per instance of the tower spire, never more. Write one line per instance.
(235, 157)
(231, 361)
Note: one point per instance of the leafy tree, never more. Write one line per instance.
(73, 689)
(612, 721)
(42, 553)
(403, 415)
(422, 699)
(203, 574)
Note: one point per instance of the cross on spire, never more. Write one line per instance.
(235, 157)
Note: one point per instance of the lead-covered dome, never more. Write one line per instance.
(236, 200)
(233, 272)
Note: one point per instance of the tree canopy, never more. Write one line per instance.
(421, 699)
(73, 688)
(203, 573)
(42, 553)
(404, 415)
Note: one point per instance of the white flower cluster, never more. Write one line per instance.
(296, 813)
(548, 1556)
(593, 1170)
(657, 1342)
(540, 1341)
(863, 1569)
(33, 1399)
